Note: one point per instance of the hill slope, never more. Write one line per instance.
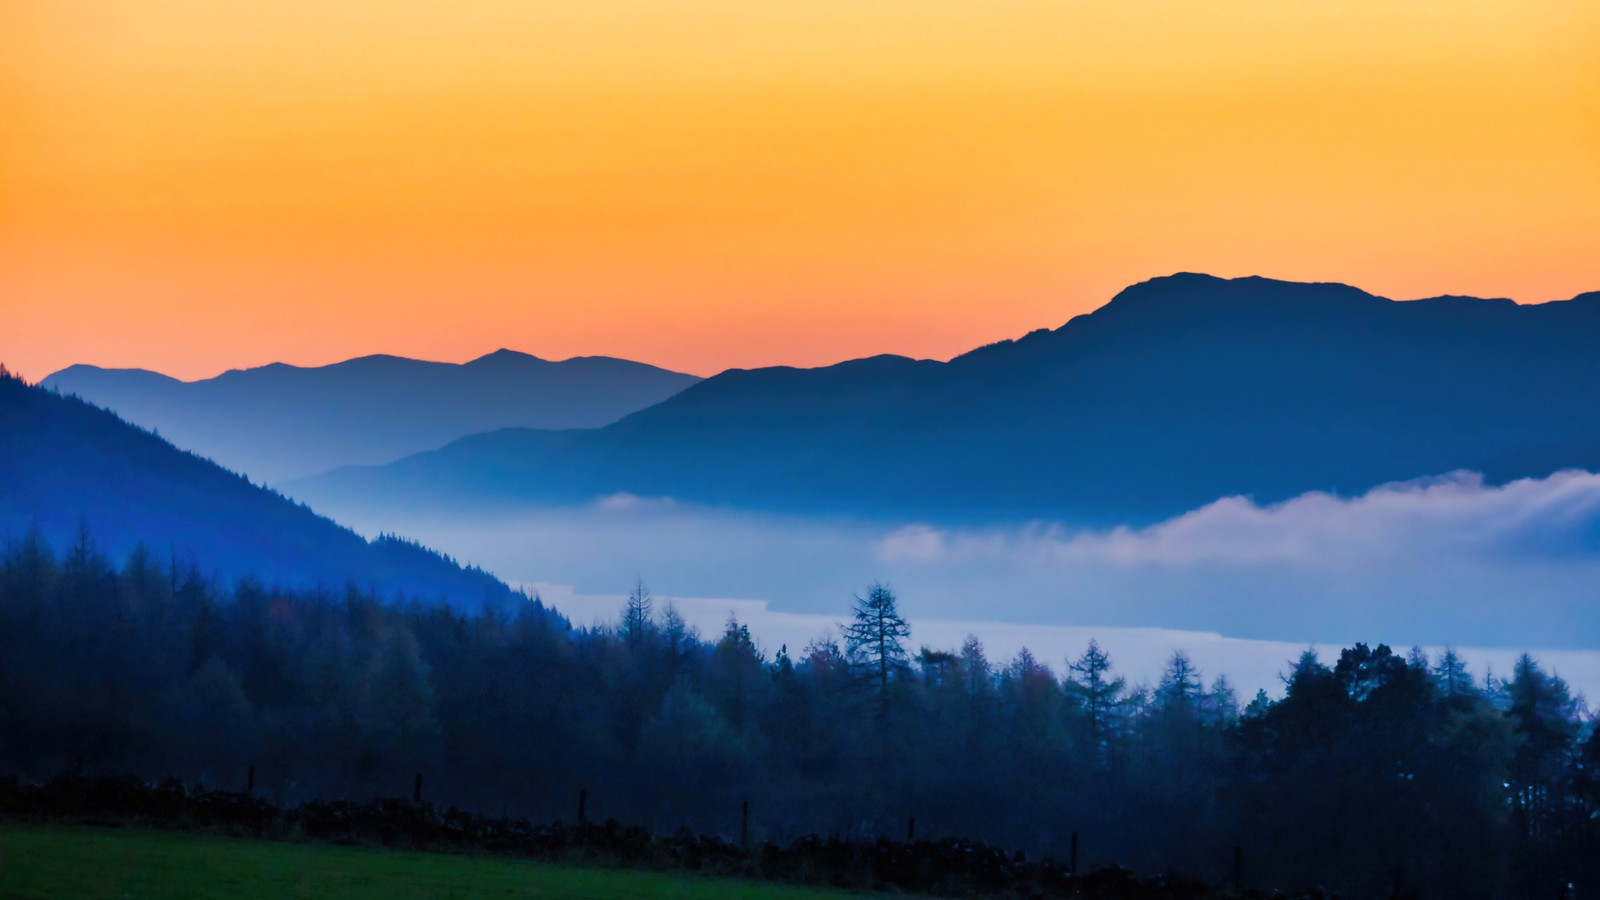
(64, 463)
(278, 422)
(1180, 390)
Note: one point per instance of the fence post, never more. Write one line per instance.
(911, 830)
(1073, 856)
(1399, 882)
(1238, 869)
(416, 789)
(744, 824)
(250, 779)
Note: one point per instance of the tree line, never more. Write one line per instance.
(1373, 769)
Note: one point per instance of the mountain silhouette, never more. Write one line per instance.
(65, 465)
(1180, 390)
(279, 422)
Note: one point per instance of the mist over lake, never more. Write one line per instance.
(1435, 562)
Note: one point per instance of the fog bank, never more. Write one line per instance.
(1446, 561)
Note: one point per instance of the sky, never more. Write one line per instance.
(197, 185)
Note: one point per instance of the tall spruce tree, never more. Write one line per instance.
(1098, 691)
(636, 618)
(874, 641)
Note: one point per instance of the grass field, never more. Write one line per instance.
(52, 861)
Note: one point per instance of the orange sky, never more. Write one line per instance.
(193, 185)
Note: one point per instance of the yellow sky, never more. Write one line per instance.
(192, 185)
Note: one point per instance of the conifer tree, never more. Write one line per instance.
(874, 641)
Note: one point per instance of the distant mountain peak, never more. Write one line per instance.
(1197, 288)
(1191, 288)
(282, 421)
(370, 358)
(878, 361)
(87, 371)
(504, 355)
(1463, 299)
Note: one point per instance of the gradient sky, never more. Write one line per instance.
(193, 185)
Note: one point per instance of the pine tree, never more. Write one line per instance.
(1179, 691)
(874, 641)
(1452, 676)
(736, 664)
(636, 619)
(1098, 690)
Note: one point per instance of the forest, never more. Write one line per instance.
(1373, 769)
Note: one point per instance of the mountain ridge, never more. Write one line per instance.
(1179, 390)
(281, 421)
(503, 353)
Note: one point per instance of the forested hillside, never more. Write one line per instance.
(67, 466)
(1371, 765)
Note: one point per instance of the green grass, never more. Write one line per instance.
(60, 861)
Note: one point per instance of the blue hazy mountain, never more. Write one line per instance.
(1180, 390)
(65, 464)
(279, 422)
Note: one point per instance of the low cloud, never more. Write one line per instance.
(1553, 518)
(1441, 561)
(626, 502)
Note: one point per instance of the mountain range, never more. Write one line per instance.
(1180, 390)
(66, 465)
(280, 422)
